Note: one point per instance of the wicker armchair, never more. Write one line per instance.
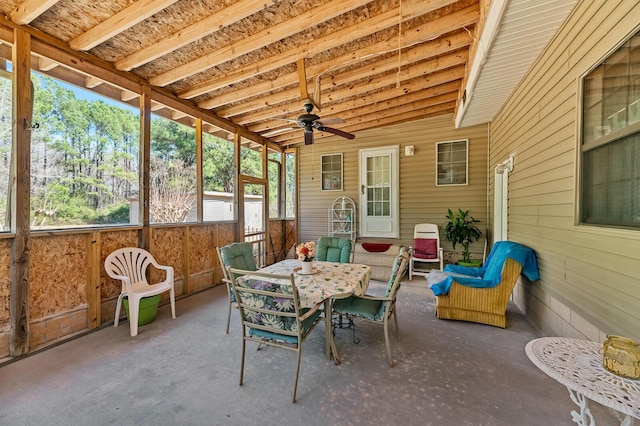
(481, 294)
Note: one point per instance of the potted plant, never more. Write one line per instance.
(461, 230)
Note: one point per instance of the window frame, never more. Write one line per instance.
(438, 163)
(607, 132)
(330, 186)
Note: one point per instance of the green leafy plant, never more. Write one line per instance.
(461, 230)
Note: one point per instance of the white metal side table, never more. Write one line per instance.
(577, 364)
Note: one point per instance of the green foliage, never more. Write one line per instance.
(461, 230)
(218, 171)
(116, 213)
(85, 157)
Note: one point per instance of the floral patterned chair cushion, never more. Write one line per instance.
(283, 307)
(371, 308)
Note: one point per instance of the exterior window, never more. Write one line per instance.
(250, 158)
(218, 175)
(331, 170)
(290, 185)
(275, 177)
(452, 163)
(610, 140)
(6, 91)
(84, 156)
(172, 172)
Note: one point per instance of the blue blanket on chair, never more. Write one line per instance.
(490, 273)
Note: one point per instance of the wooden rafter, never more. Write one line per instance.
(127, 18)
(270, 35)
(369, 62)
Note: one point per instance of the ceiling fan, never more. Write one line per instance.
(309, 121)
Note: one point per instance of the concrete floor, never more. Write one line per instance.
(186, 371)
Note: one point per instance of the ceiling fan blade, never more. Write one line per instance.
(279, 131)
(290, 120)
(308, 136)
(325, 121)
(337, 132)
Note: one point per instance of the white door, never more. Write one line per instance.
(501, 200)
(379, 188)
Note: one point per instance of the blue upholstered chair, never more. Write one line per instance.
(239, 256)
(378, 309)
(271, 314)
(332, 249)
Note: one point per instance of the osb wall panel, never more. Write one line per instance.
(275, 243)
(201, 249)
(109, 242)
(58, 269)
(225, 234)
(5, 281)
(167, 248)
(291, 236)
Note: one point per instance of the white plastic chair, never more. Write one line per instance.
(426, 249)
(129, 265)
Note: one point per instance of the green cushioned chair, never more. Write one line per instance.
(332, 249)
(271, 314)
(378, 309)
(235, 255)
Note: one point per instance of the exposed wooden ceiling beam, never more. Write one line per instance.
(29, 10)
(429, 48)
(209, 25)
(465, 17)
(277, 32)
(126, 18)
(347, 110)
(379, 81)
(437, 81)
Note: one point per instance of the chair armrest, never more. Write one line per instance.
(168, 269)
(378, 298)
(464, 270)
(311, 311)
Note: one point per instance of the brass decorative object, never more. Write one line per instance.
(622, 356)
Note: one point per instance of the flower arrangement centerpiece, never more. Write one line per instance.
(306, 252)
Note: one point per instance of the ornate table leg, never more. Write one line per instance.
(584, 418)
(628, 421)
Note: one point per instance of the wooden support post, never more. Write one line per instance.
(239, 192)
(94, 265)
(20, 194)
(144, 238)
(199, 177)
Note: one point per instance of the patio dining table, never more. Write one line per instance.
(326, 282)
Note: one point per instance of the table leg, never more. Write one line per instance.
(584, 418)
(330, 344)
